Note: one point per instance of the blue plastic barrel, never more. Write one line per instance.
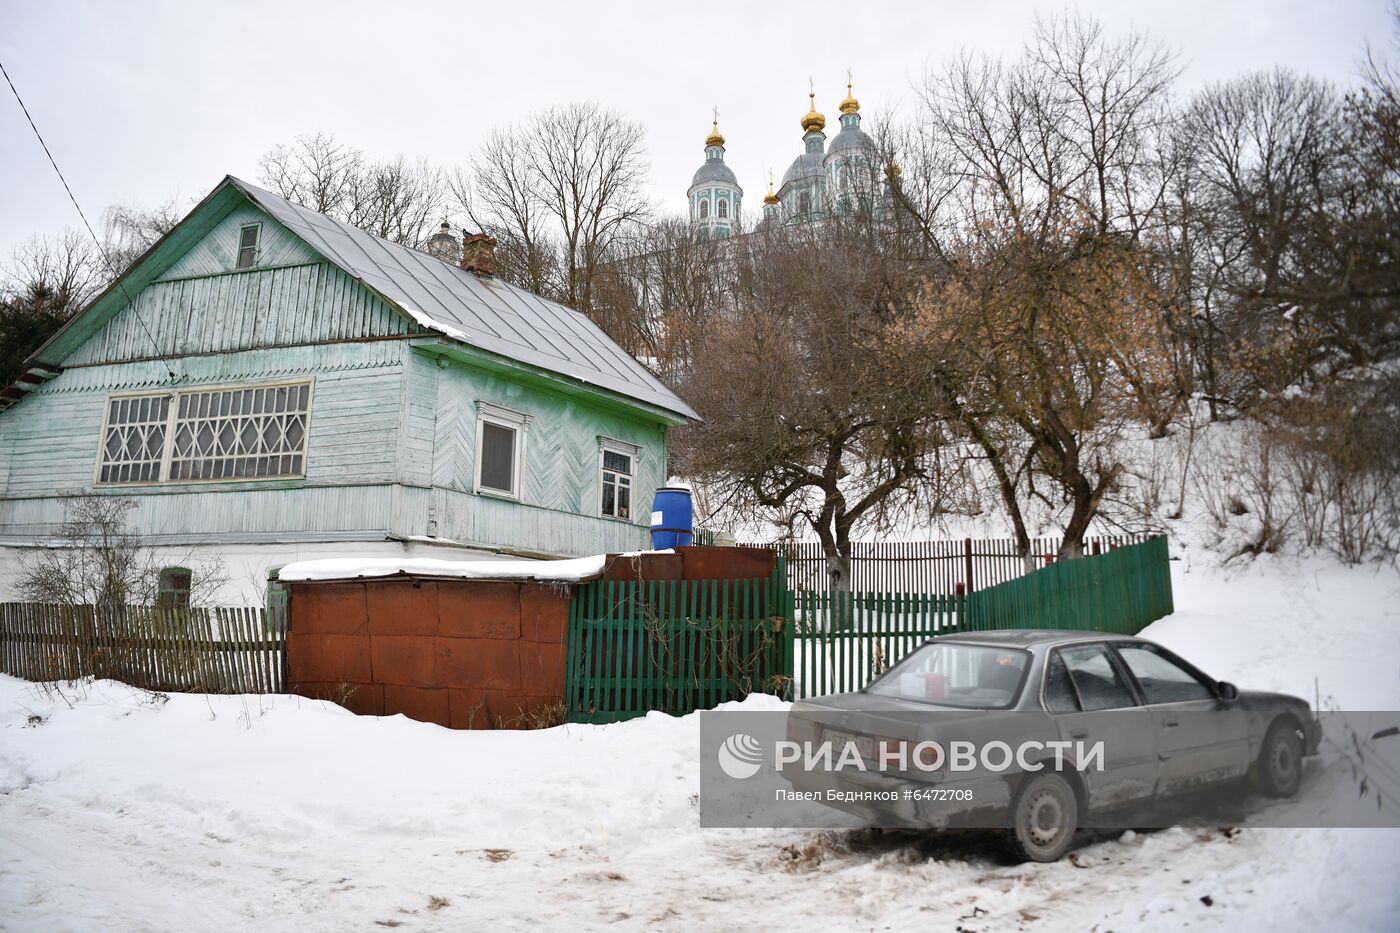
(671, 513)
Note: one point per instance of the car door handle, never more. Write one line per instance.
(1171, 724)
(1079, 734)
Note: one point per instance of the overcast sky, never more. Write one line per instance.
(142, 101)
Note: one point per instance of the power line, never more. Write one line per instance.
(101, 250)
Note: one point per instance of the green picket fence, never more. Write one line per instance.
(675, 646)
(843, 640)
(679, 646)
(1121, 592)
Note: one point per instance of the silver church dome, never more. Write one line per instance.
(713, 170)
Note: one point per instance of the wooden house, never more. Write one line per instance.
(270, 384)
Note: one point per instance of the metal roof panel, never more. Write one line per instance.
(487, 313)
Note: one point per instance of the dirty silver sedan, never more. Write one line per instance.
(1040, 732)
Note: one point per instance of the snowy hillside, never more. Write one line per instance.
(285, 813)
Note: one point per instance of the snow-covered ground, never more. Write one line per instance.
(120, 810)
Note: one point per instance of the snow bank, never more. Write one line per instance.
(572, 570)
(125, 810)
(1309, 626)
(131, 811)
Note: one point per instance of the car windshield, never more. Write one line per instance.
(952, 674)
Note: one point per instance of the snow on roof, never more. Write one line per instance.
(483, 312)
(553, 571)
(572, 570)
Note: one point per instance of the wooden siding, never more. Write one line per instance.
(50, 442)
(305, 304)
(211, 514)
(561, 448)
(392, 436)
(217, 250)
(382, 415)
(483, 520)
(418, 428)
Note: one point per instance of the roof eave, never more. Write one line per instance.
(450, 347)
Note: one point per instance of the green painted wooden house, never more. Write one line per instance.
(271, 384)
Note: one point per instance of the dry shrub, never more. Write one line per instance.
(1341, 454)
(539, 717)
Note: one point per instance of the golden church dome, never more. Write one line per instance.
(714, 139)
(850, 104)
(770, 197)
(813, 122)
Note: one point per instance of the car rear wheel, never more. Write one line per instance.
(1279, 770)
(1044, 816)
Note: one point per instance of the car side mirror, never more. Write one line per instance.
(1227, 690)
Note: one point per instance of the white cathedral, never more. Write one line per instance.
(823, 181)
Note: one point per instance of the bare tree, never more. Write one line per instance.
(399, 200)
(500, 196)
(669, 288)
(98, 560)
(562, 192)
(315, 171)
(1033, 345)
(809, 417)
(45, 283)
(129, 231)
(1040, 189)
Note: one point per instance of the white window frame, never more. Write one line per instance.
(172, 417)
(633, 453)
(517, 421)
(256, 247)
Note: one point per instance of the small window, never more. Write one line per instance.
(616, 468)
(248, 246)
(704, 209)
(500, 436)
(174, 588)
(804, 203)
(1096, 678)
(1162, 680)
(723, 207)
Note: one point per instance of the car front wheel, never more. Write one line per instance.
(1279, 770)
(1044, 816)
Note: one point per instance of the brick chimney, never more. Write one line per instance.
(479, 253)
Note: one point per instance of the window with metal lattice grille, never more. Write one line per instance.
(257, 432)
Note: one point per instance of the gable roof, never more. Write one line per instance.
(483, 312)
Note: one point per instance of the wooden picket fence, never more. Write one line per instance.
(675, 646)
(188, 650)
(844, 640)
(944, 567)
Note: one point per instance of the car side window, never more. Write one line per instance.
(1059, 691)
(1096, 679)
(1162, 680)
